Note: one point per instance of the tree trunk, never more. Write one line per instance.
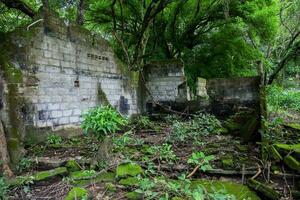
(45, 3)
(4, 153)
(80, 12)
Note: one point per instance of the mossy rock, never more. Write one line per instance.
(128, 169)
(284, 149)
(50, 173)
(77, 193)
(72, 166)
(130, 181)
(231, 125)
(39, 176)
(275, 154)
(242, 148)
(264, 189)
(83, 174)
(102, 177)
(292, 163)
(294, 126)
(238, 190)
(134, 196)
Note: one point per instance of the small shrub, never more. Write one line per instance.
(125, 140)
(142, 122)
(201, 160)
(24, 164)
(163, 152)
(102, 121)
(54, 139)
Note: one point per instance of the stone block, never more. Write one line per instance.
(53, 106)
(56, 114)
(76, 112)
(64, 120)
(67, 113)
(74, 119)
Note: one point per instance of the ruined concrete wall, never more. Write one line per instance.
(66, 71)
(227, 95)
(164, 80)
(165, 83)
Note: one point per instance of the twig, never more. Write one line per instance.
(257, 174)
(193, 172)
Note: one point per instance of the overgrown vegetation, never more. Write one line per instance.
(283, 99)
(202, 124)
(102, 121)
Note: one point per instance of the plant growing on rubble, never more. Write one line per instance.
(54, 139)
(200, 160)
(102, 121)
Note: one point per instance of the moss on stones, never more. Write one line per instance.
(134, 196)
(77, 193)
(102, 177)
(263, 189)
(39, 176)
(72, 166)
(291, 162)
(238, 190)
(128, 169)
(130, 181)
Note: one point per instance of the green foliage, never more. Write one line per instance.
(54, 139)
(161, 188)
(3, 188)
(279, 98)
(126, 139)
(202, 124)
(201, 160)
(24, 164)
(142, 122)
(163, 152)
(101, 121)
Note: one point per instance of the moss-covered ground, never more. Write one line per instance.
(165, 158)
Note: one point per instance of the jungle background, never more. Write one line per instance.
(214, 39)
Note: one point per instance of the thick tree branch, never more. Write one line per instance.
(19, 5)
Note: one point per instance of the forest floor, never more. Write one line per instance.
(160, 159)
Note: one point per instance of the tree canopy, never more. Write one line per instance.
(213, 38)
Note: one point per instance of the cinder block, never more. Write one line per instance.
(74, 119)
(64, 120)
(56, 114)
(76, 112)
(53, 106)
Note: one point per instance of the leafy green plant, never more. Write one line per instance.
(163, 152)
(54, 139)
(201, 160)
(142, 122)
(126, 139)
(101, 121)
(202, 124)
(3, 188)
(24, 164)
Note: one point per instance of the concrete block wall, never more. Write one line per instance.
(164, 81)
(64, 70)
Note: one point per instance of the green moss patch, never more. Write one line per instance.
(129, 169)
(238, 190)
(39, 176)
(102, 177)
(77, 193)
(130, 181)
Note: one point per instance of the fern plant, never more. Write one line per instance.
(102, 121)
